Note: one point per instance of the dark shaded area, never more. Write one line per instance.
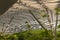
(5, 5)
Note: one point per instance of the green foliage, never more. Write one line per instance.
(27, 24)
(44, 15)
(57, 11)
(32, 35)
(58, 26)
(26, 35)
